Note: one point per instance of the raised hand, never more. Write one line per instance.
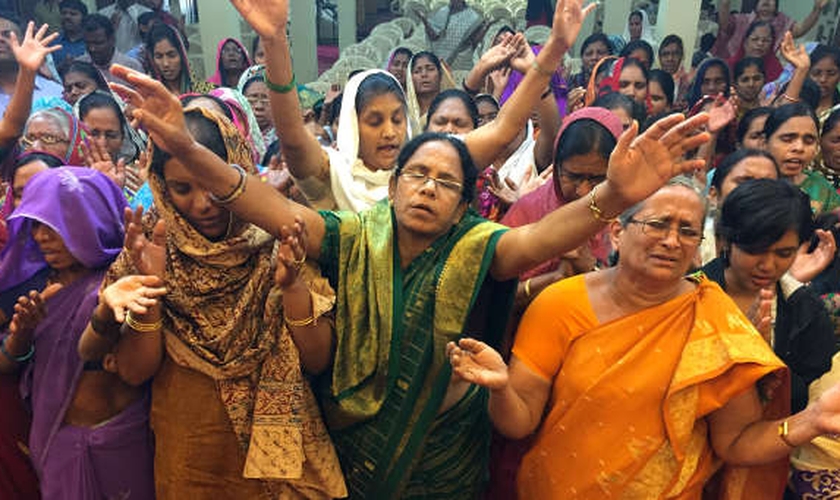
(568, 19)
(29, 311)
(97, 157)
(149, 257)
(132, 293)
(155, 108)
(523, 56)
(721, 112)
(33, 50)
(806, 266)
(641, 164)
(794, 54)
(267, 17)
(477, 363)
(498, 79)
(291, 255)
(760, 314)
(499, 54)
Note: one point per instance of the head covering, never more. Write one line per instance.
(648, 30)
(609, 80)
(416, 118)
(695, 93)
(243, 119)
(82, 205)
(354, 186)
(134, 140)
(71, 127)
(189, 82)
(218, 76)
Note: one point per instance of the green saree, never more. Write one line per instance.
(390, 372)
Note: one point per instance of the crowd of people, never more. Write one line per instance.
(528, 283)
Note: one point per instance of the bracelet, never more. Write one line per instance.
(17, 359)
(784, 430)
(597, 213)
(311, 320)
(539, 69)
(467, 89)
(141, 327)
(281, 89)
(237, 191)
(788, 98)
(528, 288)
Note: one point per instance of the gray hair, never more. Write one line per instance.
(680, 180)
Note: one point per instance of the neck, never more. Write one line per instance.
(826, 102)
(69, 275)
(73, 35)
(425, 101)
(411, 245)
(631, 294)
(798, 178)
(173, 86)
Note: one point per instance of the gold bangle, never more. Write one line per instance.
(539, 69)
(784, 430)
(237, 191)
(789, 98)
(528, 288)
(597, 213)
(311, 320)
(140, 327)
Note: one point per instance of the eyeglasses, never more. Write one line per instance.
(28, 141)
(418, 179)
(578, 179)
(660, 229)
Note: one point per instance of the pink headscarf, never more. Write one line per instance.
(216, 79)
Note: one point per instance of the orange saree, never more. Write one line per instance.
(629, 397)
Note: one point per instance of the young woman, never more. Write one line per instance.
(169, 61)
(829, 165)
(80, 79)
(825, 71)
(639, 50)
(711, 78)
(594, 48)
(750, 133)
(231, 61)
(748, 81)
(625, 76)
(427, 79)
(661, 92)
(398, 64)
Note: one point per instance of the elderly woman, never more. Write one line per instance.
(651, 380)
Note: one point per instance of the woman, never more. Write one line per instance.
(829, 166)
(711, 79)
(661, 91)
(758, 43)
(639, 50)
(27, 165)
(671, 54)
(256, 93)
(452, 111)
(762, 225)
(621, 405)
(398, 64)
(625, 76)
(792, 138)
(594, 48)
(80, 79)
(89, 436)
(231, 60)
(423, 229)
(750, 133)
(55, 131)
(825, 71)
(169, 62)
(243, 119)
(748, 81)
(639, 28)
(428, 79)
(220, 366)
(733, 27)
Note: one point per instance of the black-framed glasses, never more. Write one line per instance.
(578, 179)
(418, 179)
(661, 228)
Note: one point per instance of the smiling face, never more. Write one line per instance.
(749, 84)
(794, 145)
(167, 61)
(762, 269)
(194, 203)
(451, 117)
(382, 131)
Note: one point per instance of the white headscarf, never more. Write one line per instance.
(648, 30)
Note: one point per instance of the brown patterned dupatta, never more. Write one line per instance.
(223, 318)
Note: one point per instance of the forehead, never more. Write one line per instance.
(423, 61)
(97, 35)
(164, 45)
(826, 62)
(596, 46)
(24, 172)
(45, 122)
(679, 202)
(387, 103)
(589, 163)
(632, 73)
(655, 88)
(256, 87)
(437, 157)
(671, 47)
(761, 31)
(750, 70)
(70, 11)
(77, 76)
(758, 123)
(797, 125)
(639, 54)
(452, 105)
(102, 113)
(230, 45)
(713, 72)
(756, 167)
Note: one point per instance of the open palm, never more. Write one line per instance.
(478, 363)
(148, 256)
(267, 17)
(33, 50)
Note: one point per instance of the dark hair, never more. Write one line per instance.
(745, 63)
(335, 109)
(822, 51)
(695, 94)
(147, 17)
(637, 45)
(760, 24)
(459, 94)
(666, 81)
(783, 113)
(162, 32)
(630, 62)
(467, 165)
(76, 5)
(747, 119)
(759, 212)
(254, 79)
(189, 98)
(726, 165)
(51, 160)
(486, 98)
(428, 55)
(595, 38)
(375, 85)
(582, 137)
(671, 40)
(637, 13)
(504, 29)
(99, 100)
(707, 41)
(810, 93)
(89, 70)
(12, 18)
(204, 130)
(402, 50)
(614, 100)
(830, 122)
(273, 149)
(652, 119)
(96, 22)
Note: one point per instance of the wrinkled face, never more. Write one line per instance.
(830, 142)
(22, 176)
(397, 67)
(759, 42)
(766, 9)
(827, 75)
(425, 76)
(660, 258)
(670, 58)
(658, 99)
(167, 61)
(257, 95)
(76, 86)
(754, 138)
(593, 53)
(641, 55)
(259, 54)
(579, 174)
(104, 130)
(753, 167)
(6, 29)
(52, 246)
(382, 131)
(794, 145)
(749, 84)
(487, 112)
(451, 117)
(232, 57)
(194, 203)
(71, 20)
(100, 46)
(632, 83)
(634, 24)
(755, 270)
(428, 209)
(43, 133)
(714, 81)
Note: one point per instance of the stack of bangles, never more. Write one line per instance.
(311, 320)
(236, 192)
(140, 327)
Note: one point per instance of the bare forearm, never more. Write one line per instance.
(760, 443)
(549, 125)
(18, 109)
(474, 80)
(803, 27)
(16, 346)
(724, 15)
(510, 415)
(94, 342)
(139, 354)
(314, 341)
(797, 81)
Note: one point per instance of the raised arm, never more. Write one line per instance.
(638, 167)
(724, 17)
(303, 152)
(810, 20)
(161, 115)
(485, 143)
(30, 55)
(798, 57)
(493, 58)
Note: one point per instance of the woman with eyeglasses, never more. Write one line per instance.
(758, 42)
